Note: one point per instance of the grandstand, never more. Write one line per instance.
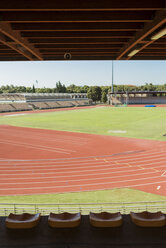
(24, 102)
(137, 97)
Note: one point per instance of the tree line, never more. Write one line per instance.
(96, 93)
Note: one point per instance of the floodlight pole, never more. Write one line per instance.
(112, 90)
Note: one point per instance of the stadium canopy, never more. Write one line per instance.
(88, 30)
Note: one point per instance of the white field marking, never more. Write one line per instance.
(42, 135)
(78, 165)
(85, 190)
(57, 148)
(31, 146)
(66, 160)
(117, 131)
(71, 172)
(70, 167)
(164, 174)
(158, 187)
(142, 159)
(78, 180)
(88, 184)
(142, 162)
(64, 175)
(37, 137)
(52, 166)
(15, 114)
(50, 149)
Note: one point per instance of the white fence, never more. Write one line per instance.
(84, 208)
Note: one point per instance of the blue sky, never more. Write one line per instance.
(82, 72)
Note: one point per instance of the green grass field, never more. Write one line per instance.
(146, 123)
(100, 196)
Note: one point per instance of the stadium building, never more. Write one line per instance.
(79, 30)
(12, 102)
(137, 97)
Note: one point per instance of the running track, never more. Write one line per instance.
(36, 161)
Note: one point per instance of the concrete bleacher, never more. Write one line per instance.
(21, 102)
(64, 104)
(39, 105)
(21, 106)
(6, 108)
(11, 97)
(54, 104)
(147, 100)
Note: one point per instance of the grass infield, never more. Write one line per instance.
(136, 122)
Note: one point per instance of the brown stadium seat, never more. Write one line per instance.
(64, 220)
(148, 219)
(105, 219)
(22, 221)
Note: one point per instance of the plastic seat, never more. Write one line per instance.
(64, 220)
(22, 221)
(148, 219)
(105, 219)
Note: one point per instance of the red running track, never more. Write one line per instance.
(37, 161)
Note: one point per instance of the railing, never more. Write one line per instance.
(84, 208)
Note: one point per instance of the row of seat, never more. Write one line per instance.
(69, 220)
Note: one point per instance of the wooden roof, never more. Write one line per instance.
(88, 30)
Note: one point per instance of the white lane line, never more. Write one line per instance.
(23, 143)
(64, 160)
(50, 149)
(164, 174)
(79, 180)
(85, 166)
(39, 135)
(90, 184)
(72, 172)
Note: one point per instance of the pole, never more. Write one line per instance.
(112, 77)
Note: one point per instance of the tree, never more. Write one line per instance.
(60, 88)
(94, 93)
(33, 89)
(104, 97)
(71, 88)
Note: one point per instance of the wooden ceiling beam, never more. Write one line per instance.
(15, 58)
(9, 51)
(120, 26)
(151, 54)
(152, 51)
(83, 57)
(159, 20)
(81, 52)
(156, 46)
(86, 5)
(73, 16)
(15, 47)
(65, 35)
(61, 50)
(79, 41)
(21, 45)
(147, 57)
(69, 46)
